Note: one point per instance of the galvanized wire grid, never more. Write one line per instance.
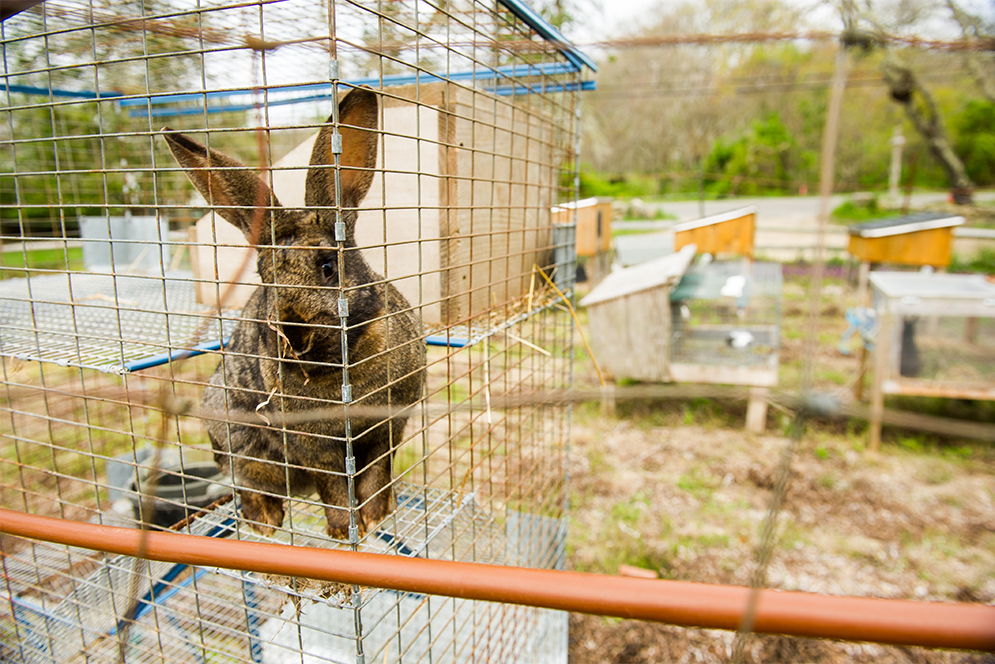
(729, 314)
(114, 307)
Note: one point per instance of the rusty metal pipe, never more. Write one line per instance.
(900, 622)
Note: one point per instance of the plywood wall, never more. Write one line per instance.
(456, 216)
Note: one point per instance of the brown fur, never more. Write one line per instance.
(290, 338)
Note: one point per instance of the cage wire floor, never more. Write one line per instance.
(718, 313)
(111, 323)
(68, 602)
(120, 324)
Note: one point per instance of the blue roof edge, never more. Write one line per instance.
(549, 32)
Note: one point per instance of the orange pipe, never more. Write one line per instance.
(901, 622)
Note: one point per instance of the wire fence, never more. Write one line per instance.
(288, 273)
(385, 258)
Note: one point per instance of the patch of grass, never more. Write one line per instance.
(982, 262)
(698, 483)
(706, 413)
(860, 211)
(658, 215)
(617, 543)
(598, 461)
(17, 264)
(698, 543)
(833, 376)
(457, 393)
(791, 535)
(937, 473)
(629, 511)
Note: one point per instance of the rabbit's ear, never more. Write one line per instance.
(358, 118)
(241, 191)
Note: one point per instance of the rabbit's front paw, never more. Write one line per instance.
(264, 513)
(337, 519)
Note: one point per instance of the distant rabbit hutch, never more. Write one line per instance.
(592, 222)
(386, 171)
(920, 239)
(673, 319)
(935, 337)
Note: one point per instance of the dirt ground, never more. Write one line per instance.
(682, 489)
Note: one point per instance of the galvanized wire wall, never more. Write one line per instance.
(122, 291)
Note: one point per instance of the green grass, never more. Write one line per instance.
(637, 231)
(698, 483)
(17, 262)
(983, 262)
(850, 212)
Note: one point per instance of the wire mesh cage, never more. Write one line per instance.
(278, 272)
(669, 319)
(728, 314)
(937, 335)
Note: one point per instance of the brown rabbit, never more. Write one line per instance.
(286, 353)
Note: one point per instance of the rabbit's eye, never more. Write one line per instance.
(327, 271)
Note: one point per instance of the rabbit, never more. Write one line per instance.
(285, 355)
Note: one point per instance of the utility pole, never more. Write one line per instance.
(895, 174)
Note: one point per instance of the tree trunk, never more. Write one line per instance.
(921, 110)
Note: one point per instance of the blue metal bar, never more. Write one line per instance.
(446, 340)
(144, 605)
(155, 594)
(510, 90)
(547, 31)
(508, 71)
(164, 358)
(56, 92)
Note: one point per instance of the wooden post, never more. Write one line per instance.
(865, 270)
(882, 358)
(970, 330)
(858, 387)
(756, 409)
(608, 400)
(933, 322)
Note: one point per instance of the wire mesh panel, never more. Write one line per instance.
(939, 337)
(278, 272)
(728, 314)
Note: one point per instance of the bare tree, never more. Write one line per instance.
(906, 88)
(981, 64)
(920, 108)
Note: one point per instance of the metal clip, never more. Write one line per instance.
(347, 394)
(340, 231)
(333, 70)
(350, 465)
(336, 141)
(343, 308)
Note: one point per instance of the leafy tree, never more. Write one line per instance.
(976, 140)
(757, 162)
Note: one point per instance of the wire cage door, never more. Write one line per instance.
(282, 272)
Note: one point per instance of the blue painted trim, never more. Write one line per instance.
(56, 92)
(155, 594)
(325, 90)
(542, 88)
(548, 31)
(445, 340)
(145, 604)
(508, 71)
(164, 358)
